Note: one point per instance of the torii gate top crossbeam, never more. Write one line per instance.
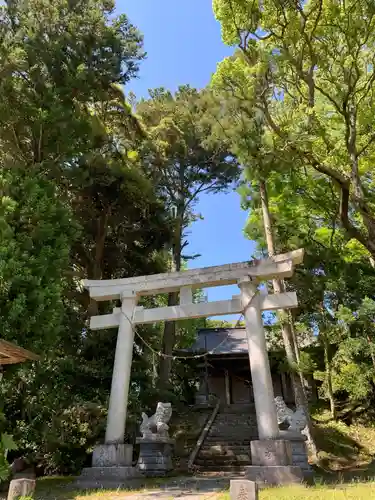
(280, 266)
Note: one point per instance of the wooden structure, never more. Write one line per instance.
(10, 354)
(225, 371)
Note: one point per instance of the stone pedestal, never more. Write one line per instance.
(21, 488)
(155, 455)
(274, 474)
(299, 451)
(111, 467)
(271, 452)
(112, 455)
(272, 463)
(107, 477)
(242, 489)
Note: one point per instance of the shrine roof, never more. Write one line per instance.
(223, 341)
(220, 341)
(10, 353)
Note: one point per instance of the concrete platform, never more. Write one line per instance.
(108, 477)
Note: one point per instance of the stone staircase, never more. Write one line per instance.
(226, 448)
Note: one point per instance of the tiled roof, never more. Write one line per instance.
(229, 341)
(220, 341)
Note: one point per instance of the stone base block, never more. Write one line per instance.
(107, 477)
(112, 455)
(155, 456)
(21, 488)
(271, 452)
(243, 489)
(274, 475)
(299, 451)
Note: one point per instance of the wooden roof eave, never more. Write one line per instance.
(11, 353)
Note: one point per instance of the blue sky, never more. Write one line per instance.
(183, 45)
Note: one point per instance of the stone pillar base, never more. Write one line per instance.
(271, 452)
(299, 451)
(111, 467)
(107, 477)
(112, 455)
(273, 474)
(155, 456)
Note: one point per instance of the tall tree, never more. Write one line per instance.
(55, 60)
(186, 164)
(332, 285)
(75, 202)
(246, 136)
(308, 70)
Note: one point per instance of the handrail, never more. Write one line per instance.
(203, 436)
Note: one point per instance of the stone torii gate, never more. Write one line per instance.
(250, 302)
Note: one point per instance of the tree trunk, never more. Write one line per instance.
(168, 342)
(169, 334)
(96, 272)
(371, 346)
(328, 369)
(286, 329)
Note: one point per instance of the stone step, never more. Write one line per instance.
(224, 458)
(230, 440)
(229, 422)
(220, 424)
(236, 416)
(237, 469)
(224, 475)
(238, 408)
(227, 451)
(246, 431)
(232, 437)
(233, 445)
(236, 435)
(221, 463)
(225, 426)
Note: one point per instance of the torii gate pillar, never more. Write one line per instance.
(264, 398)
(118, 401)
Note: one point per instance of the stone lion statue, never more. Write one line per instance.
(156, 425)
(296, 419)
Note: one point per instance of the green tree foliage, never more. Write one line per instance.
(6, 444)
(186, 162)
(334, 286)
(56, 60)
(294, 101)
(306, 72)
(76, 202)
(36, 231)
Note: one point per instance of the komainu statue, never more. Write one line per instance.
(156, 425)
(296, 419)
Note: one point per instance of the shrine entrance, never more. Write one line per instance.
(251, 302)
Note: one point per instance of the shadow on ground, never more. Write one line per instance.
(64, 488)
(342, 458)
